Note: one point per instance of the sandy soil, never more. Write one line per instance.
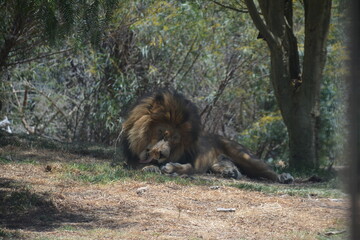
(147, 210)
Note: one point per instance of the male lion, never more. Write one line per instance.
(163, 134)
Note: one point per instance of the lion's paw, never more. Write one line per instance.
(231, 173)
(151, 168)
(169, 168)
(286, 178)
(180, 169)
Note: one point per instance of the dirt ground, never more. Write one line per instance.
(129, 209)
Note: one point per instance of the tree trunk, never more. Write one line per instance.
(297, 94)
(304, 124)
(354, 117)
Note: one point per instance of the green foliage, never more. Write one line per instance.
(71, 102)
(332, 132)
(333, 116)
(25, 25)
(268, 138)
(196, 47)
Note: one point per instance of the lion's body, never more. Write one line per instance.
(164, 129)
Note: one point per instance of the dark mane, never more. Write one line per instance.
(163, 106)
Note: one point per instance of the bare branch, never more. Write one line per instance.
(28, 128)
(49, 99)
(230, 7)
(229, 75)
(26, 125)
(185, 60)
(46, 123)
(272, 40)
(16, 98)
(192, 65)
(38, 57)
(23, 48)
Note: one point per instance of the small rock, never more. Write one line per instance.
(225, 209)
(48, 168)
(214, 187)
(141, 190)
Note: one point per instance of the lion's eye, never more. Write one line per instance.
(160, 134)
(166, 136)
(161, 156)
(176, 138)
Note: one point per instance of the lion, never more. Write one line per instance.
(163, 134)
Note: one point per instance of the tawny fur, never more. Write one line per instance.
(164, 130)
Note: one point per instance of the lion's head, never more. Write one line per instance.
(163, 127)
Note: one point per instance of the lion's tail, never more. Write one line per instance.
(248, 163)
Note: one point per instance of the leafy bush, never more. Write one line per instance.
(267, 138)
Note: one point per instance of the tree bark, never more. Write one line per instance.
(354, 120)
(317, 21)
(297, 94)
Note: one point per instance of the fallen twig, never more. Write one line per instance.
(225, 209)
(331, 233)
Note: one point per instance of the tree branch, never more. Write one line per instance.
(28, 128)
(229, 75)
(230, 7)
(184, 60)
(52, 102)
(261, 26)
(192, 65)
(37, 57)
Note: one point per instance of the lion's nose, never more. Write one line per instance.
(160, 151)
(157, 155)
(161, 155)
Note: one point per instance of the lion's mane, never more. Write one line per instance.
(167, 107)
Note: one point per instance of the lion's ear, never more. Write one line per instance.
(159, 99)
(157, 102)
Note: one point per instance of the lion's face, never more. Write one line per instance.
(165, 139)
(163, 127)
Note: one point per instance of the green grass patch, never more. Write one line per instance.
(4, 160)
(323, 190)
(104, 173)
(9, 235)
(18, 160)
(29, 161)
(94, 172)
(68, 228)
(322, 173)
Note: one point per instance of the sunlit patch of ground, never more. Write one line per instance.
(40, 203)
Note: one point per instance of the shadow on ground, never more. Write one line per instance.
(20, 208)
(39, 142)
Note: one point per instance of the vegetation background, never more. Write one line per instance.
(71, 69)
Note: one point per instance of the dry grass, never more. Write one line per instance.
(38, 203)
